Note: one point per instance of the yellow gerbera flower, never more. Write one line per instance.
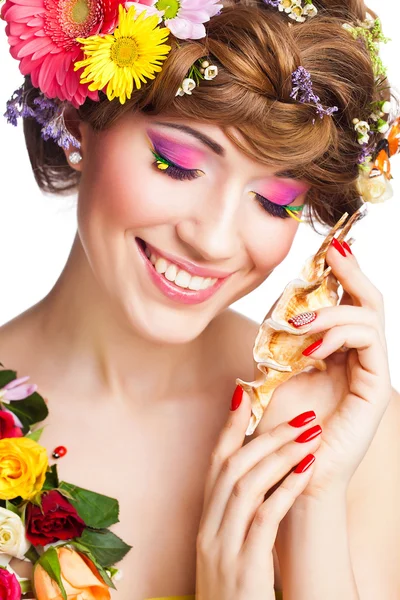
(133, 52)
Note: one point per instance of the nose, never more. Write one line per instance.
(213, 231)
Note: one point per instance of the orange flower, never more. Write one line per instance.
(80, 578)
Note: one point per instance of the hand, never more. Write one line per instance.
(358, 325)
(238, 526)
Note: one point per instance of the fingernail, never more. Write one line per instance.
(303, 319)
(338, 247)
(310, 349)
(309, 435)
(305, 463)
(303, 419)
(237, 397)
(346, 247)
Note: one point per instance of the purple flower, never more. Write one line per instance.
(274, 3)
(17, 389)
(47, 112)
(303, 92)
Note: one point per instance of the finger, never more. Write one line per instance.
(229, 441)
(249, 491)
(367, 342)
(353, 280)
(263, 531)
(241, 462)
(334, 316)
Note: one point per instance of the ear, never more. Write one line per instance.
(77, 128)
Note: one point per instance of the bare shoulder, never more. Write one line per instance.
(19, 340)
(233, 338)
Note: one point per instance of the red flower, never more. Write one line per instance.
(8, 429)
(56, 520)
(9, 586)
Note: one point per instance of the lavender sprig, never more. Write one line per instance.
(273, 3)
(48, 113)
(303, 92)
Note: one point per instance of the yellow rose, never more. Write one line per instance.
(79, 576)
(23, 466)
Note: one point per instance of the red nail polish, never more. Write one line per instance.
(309, 435)
(237, 397)
(310, 349)
(346, 247)
(305, 463)
(303, 319)
(303, 419)
(338, 247)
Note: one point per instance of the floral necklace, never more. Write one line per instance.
(60, 528)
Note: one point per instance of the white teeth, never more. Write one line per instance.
(161, 265)
(183, 279)
(171, 272)
(178, 276)
(196, 283)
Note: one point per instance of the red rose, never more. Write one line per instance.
(8, 429)
(57, 520)
(9, 586)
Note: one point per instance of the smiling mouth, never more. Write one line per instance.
(174, 274)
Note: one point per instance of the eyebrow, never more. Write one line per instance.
(214, 146)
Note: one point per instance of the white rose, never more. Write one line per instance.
(188, 85)
(210, 72)
(12, 534)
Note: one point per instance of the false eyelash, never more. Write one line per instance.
(173, 170)
(276, 210)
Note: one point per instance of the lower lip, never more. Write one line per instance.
(174, 292)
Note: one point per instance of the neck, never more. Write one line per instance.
(82, 326)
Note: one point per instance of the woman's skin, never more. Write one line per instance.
(139, 384)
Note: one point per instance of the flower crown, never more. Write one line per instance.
(71, 51)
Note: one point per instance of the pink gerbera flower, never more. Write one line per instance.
(42, 35)
(184, 18)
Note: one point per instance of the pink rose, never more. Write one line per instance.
(9, 586)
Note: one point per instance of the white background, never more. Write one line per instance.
(37, 231)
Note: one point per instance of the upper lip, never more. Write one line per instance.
(188, 265)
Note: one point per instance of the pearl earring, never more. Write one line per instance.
(75, 157)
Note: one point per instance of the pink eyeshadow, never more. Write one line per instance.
(183, 155)
(282, 193)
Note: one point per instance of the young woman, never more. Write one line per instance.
(182, 209)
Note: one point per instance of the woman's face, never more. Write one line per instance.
(203, 218)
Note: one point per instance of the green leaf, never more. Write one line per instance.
(51, 481)
(32, 554)
(50, 563)
(35, 435)
(106, 547)
(7, 376)
(11, 507)
(102, 572)
(26, 585)
(30, 411)
(96, 510)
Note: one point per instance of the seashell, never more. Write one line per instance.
(278, 347)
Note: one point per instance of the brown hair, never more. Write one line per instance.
(256, 52)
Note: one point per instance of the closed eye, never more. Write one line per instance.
(164, 165)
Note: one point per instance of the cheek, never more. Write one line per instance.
(119, 188)
(270, 243)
